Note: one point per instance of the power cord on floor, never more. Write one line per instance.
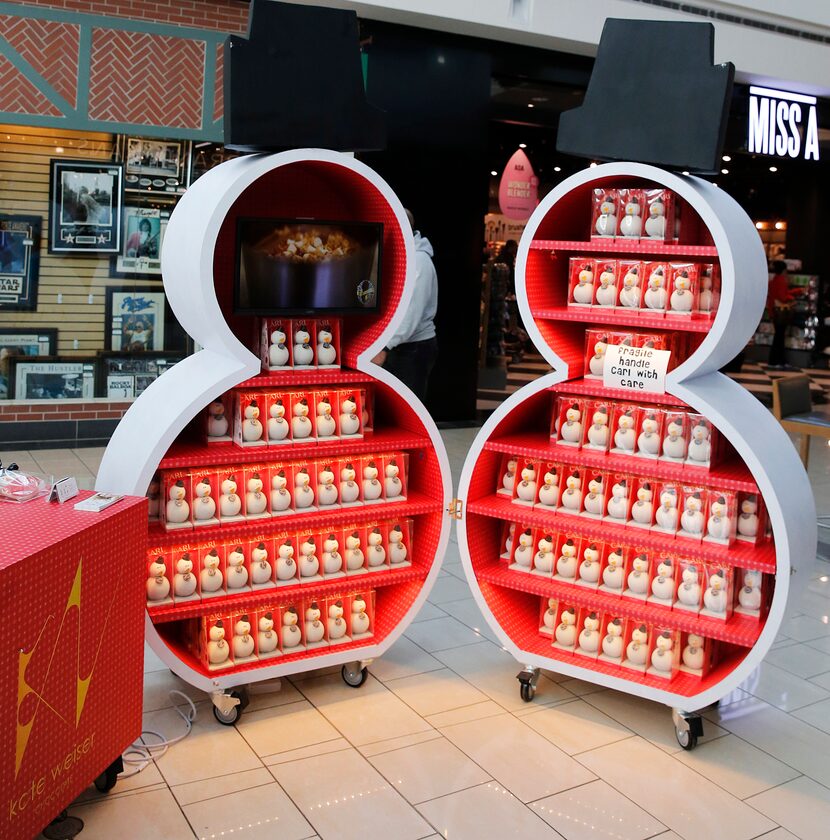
(139, 754)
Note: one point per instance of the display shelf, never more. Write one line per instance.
(581, 387)
(290, 378)
(184, 454)
(740, 555)
(312, 591)
(415, 505)
(623, 318)
(645, 247)
(739, 630)
(731, 475)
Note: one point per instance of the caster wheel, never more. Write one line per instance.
(232, 715)
(354, 679)
(527, 692)
(106, 781)
(686, 738)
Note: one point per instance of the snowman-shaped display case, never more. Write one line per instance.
(756, 460)
(161, 431)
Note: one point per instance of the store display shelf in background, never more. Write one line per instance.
(732, 475)
(738, 630)
(644, 247)
(290, 378)
(415, 505)
(621, 317)
(305, 591)
(739, 555)
(185, 454)
(595, 388)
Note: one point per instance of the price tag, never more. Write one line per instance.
(63, 490)
(636, 369)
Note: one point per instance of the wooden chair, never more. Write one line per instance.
(793, 408)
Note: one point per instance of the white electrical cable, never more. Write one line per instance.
(139, 755)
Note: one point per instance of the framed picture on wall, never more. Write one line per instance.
(207, 155)
(23, 342)
(125, 376)
(19, 261)
(85, 203)
(135, 318)
(144, 229)
(51, 379)
(153, 165)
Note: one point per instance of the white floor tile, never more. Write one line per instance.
(219, 786)
(441, 634)
(281, 728)
(579, 687)
(428, 612)
(467, 612)
(378, 747)
(257, 813)
(159, 684)
(149, 777)
(520, 759)
(686, 802)
(486, 812)
(323, 748)
(801, 806)
(403, 659)
(433, 768)
(435, 692)
(151, 661)
(466, 713)
(800, 659)
(781, 689)
(345, 798)
(448, 589)
(817, 715)
(805, 628)
(576, 727)
(596, 812)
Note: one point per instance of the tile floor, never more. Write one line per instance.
(438, 743)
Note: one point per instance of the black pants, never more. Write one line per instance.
(778, 351)
(412, 363)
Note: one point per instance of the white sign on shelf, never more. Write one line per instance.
(637, 369)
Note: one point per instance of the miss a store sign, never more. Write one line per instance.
(782, 124)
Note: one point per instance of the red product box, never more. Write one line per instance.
(642, 507)
(709, 296)
(718, 596)
(244, 640)
(215, 650)
(571, 499)
(721, 518)
(663, 583)
(606, 286)
(544, 557)
(664, 659)
(703, 442)
(593, 502)
(355, 551)
(262, 557)
(571, 414)
(291, 628)
(274, 344)
(185, 580)
(632, 283)
(655, 293)
(581, 279)
(361, 608)
(693, 518)
(689, 592)
(526, 488)
(217, 426)
(327, 485)
(523, 549)
(158, 580)
(567, 553)
(697, 657)
(308, 558)
(612, 646)
(247, 423)
(267, 635)
(649, 433)
(305, 340)
(154, 498)
(315, 627)
(675, 437)
(367, 400)
(596, 343)
(623, 428)
(637, 646)
(604, 213)
(371, 483)
(548, 610)
(325, 412)
(305, 481)
(230, 501)
(750, 597)
(618, 507)
(399, 540)
(237, 565)
(333, 563)
(282, 485)
(211, 557)
(508, 532)
(751, 518)
(615, 564)
(659, 215)
(178, 492)
(350, 405)
(509, 465)
(395, 470)
(286, 566)
(564, 634)
(350, 487)
(587, 642)
(597, 417)
(257, 480)
(638, 578)
(279, 429)
(632, 205)
(683, 292)
(588, 573)
(550, 475)
(205, 493)
(328, 343)
(302, 417)
(377, 558)
(338, 620)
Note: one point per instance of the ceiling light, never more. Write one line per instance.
(686, 172)
(724, 171)
(441, 59)
(593, 164)
(557, 168)
(726, 158)
(493, 172)
(522, 145)
(780, 225)
(59, 149)
(530, 105)
(773, 169)
(759, 225)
